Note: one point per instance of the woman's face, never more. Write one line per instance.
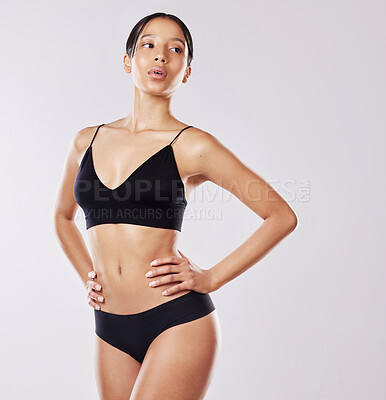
(162, 49)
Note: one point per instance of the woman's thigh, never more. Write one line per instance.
(180, 362)
(115, 371)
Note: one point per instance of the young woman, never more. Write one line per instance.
(157, 330)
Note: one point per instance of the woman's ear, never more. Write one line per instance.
(187, 74)
(127, 63)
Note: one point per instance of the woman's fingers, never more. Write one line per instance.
(93, 294)
(93, 298)
(94, 284)
(93, 304)
(166, 279)
(92, 287)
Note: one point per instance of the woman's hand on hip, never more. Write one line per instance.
(92, 286)
(179, 269)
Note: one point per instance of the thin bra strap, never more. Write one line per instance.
(95, 134)
(179, 133)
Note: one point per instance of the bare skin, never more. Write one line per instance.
(181, 361)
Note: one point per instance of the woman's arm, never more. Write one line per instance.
(69, 236)
(219, 165)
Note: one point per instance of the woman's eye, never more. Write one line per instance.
(151, 44)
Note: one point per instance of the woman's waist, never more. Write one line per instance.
(129, 292)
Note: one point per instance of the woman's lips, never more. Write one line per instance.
(157, 76)
(158, 72)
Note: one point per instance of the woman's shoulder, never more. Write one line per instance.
(83, 137)
(200, 143)
(197, 147)
(197, 139)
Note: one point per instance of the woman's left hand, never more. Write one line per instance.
(183, 270)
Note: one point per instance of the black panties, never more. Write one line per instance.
(133, 333)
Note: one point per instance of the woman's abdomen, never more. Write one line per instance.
(121, 256)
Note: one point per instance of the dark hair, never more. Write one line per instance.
(138, 28)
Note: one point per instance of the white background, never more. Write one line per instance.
(297, 91)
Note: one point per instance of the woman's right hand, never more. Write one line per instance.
(92, 287)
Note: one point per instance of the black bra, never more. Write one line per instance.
(153, 195)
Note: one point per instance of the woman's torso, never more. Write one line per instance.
(122, 252)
